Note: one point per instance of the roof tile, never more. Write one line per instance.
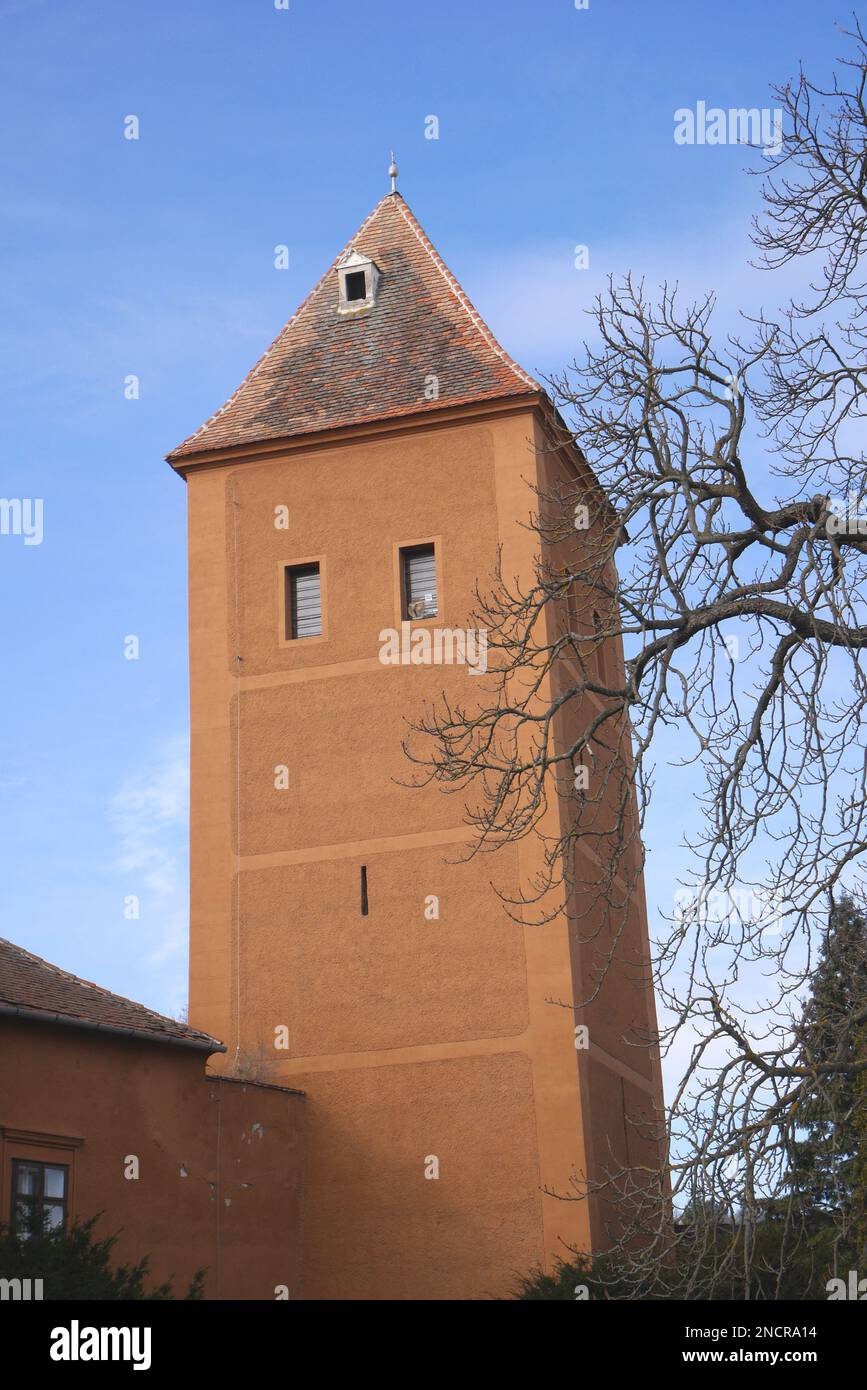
(325, 370)
(40, 989)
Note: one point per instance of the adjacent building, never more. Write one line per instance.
(107, 1107)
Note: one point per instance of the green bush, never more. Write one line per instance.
(73, 1264)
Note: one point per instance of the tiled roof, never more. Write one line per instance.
(43, 992)
(326, 370)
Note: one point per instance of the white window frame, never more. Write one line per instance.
(352, 264)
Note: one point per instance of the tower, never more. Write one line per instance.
(358, 484)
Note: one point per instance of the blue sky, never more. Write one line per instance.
(155, 257)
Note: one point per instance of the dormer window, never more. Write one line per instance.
(357, 278)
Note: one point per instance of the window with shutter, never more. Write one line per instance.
(420, 582)
(303, 601)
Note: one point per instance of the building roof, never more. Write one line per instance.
(35, 989)
(326, 370)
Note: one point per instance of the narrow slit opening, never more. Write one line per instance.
(364, 890)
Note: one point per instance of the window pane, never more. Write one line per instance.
(420, 582)
(55, 1182)
(305, 602)
(26, 1179)
(27, 1215)
(53, 1215)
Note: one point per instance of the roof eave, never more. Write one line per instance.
(520, 399)
(197, 1044)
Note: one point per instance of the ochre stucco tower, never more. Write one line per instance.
(364, 475)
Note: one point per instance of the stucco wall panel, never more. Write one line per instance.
(351, 506)
(340, 740)
(397, 1234)
(610, 970)
(344, 982)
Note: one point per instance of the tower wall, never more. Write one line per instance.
(414, 1039)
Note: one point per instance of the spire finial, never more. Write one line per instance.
(392, 173)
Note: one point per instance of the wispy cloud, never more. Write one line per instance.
(149, 817)
(535, 299)
(94, 348)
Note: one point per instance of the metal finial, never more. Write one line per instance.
(392, 173)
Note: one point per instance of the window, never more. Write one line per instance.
(419, 580)
(600, 650)
(303, 601)
(356, 285)
(573, 612)
(357, 281)
(364, 890)
(39, 1195)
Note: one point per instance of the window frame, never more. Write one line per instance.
(284, 609)
(399, 581)
(356, 264)
(39, 1199)
(36, 1148)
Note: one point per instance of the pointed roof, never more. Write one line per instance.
(325, 370)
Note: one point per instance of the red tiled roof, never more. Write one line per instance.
(43, 992)
(325, 370)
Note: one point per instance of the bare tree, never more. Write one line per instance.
(708, 542)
